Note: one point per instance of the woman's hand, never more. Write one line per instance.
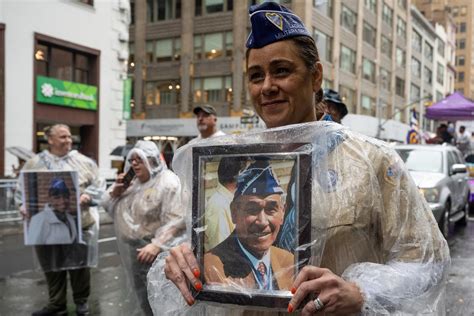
(119, 187)
(148, 253)
(181, 268)
(338, 296)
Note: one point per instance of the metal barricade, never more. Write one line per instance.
(8, 209)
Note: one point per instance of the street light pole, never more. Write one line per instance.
(381, 124)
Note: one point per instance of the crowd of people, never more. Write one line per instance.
(371, 245)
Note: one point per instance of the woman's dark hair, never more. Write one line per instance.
(308, 52)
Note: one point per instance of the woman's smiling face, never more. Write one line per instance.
(280, 84)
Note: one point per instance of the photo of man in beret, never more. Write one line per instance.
(247, 258)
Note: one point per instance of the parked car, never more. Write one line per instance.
(441, 175)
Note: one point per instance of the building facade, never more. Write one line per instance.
(63, 62)
(184, 53)
(454, 17)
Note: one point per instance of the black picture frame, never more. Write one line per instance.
(299, 174)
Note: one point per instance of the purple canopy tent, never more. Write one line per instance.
(452, 108)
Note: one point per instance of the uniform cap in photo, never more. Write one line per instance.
(206, 108)
(257, 179)
(272, 22)
(58, 187)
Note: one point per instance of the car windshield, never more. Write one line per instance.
(422, 160)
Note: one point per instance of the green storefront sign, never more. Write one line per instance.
(127, 96)
(66, 93)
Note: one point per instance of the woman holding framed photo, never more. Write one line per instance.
(375, 247)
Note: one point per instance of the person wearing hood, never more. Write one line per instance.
(145, 212)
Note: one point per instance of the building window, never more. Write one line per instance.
(440, 74)
(203, 7)
(371, 5)
(162, 93)
(387, 14)
(455, 11)
(367, 105)
(428, 74)
(168, 9)
(461, 43)
(402, 4)
(400, 57)
(400, 87)
(63, 63)
(385, 79)
(463, 10)
(369, 34)
(439, 96)
(416, 41)
(460, 60)
(212, 89)
(461, 76)
(428, 51)
(324, 44)
(462, 27)
(324, 7)
(348, 19)
(168, 49)
(401, 28)
(386, 46)
(162, 50)
(441, 48)
(415, 67)
(348, 57)
(213, 45)
(368, 70)
(414, 92)
(348, 97)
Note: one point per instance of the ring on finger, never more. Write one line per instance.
(318, 304)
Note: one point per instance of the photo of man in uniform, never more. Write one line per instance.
(54, 224)
(248, 258)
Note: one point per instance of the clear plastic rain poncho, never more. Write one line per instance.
(83, 252)
(142, 214)
(365, 221)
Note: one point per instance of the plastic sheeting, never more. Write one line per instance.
(81, 254)
(369, 225)
(141, 216)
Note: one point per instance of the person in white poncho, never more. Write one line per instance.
(375, 246)
(141, 213)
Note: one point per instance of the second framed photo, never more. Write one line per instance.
(51, 200)
(251, 215)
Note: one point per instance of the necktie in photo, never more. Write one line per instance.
(262, 270)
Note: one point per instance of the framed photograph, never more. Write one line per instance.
(251, 212)
(51, 199)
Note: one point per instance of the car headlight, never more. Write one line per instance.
(431, 194)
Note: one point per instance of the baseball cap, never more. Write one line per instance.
(272, 22)
(58, 187)
(206, 108)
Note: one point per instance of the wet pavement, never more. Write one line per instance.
(460, 289)
(24, 289)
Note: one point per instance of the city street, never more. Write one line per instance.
(23, 289)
